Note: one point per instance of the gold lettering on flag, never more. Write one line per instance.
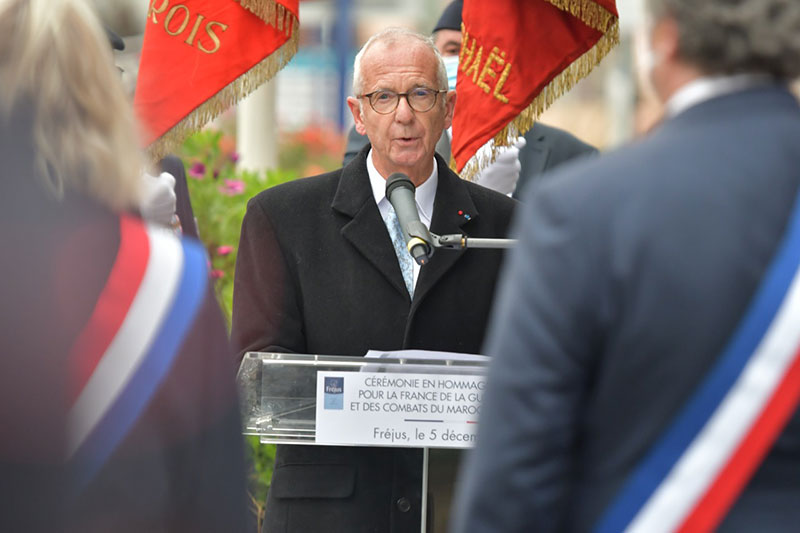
(190, 39)
(479, 75)
(213, 36)
(177, 20)
(171, 16)
(156, 10)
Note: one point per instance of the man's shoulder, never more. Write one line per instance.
(483, 196)
(488, 202)
(644, 175)
(556, 137)
(616, 169)
(302, 189)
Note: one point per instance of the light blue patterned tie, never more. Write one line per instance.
(399, 242)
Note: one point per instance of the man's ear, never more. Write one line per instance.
(665, 39)
(449, 107)
(355, 108)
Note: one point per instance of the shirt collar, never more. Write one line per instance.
(708, 87)
(424, 195)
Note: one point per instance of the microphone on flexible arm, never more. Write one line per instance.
(400, 193)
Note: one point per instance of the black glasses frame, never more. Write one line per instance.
(436, 93)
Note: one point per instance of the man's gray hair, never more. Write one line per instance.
(391, 36)
(737, 36)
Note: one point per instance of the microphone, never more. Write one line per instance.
(400, 193)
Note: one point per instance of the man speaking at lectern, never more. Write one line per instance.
(318, 273)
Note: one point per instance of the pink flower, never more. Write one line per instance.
(232, 187)
(234, 157)
(217, 274)
(224, 250)
(197, 170)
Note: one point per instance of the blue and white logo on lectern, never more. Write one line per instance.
(334, 393)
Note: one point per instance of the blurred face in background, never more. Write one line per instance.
(448, 42)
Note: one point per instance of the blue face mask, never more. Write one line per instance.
(451, 65)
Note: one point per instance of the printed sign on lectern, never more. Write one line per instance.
(395, 409)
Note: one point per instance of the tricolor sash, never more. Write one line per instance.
(695, 472)
(134, 334)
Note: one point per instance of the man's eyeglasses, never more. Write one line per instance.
(421, 99)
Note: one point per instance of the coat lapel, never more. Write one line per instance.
(537, 155)
(366, 230)
(453, 210)
(443, 146)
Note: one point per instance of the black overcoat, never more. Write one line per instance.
(317, 273)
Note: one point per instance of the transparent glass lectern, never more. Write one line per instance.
(430, 402)
(279, 391)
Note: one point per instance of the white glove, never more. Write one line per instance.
(158, 198)
(502, 175)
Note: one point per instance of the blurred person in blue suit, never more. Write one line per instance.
(632, 297)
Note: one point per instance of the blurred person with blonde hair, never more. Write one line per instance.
(117, 399)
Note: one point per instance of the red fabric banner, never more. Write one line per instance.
(199, 57)
(517, 57)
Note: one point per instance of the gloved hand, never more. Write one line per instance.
(502, 175)
(158, 199)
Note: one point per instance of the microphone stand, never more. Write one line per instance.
(455, 241)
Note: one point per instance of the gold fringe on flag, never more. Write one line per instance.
(235, 91)
(265, 10)
(591, 14)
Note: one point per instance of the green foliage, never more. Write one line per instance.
(261, 457)
(219, 193)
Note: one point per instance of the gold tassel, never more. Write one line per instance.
(590, 13)
(557, 87)
(264, 9)
(225, 98)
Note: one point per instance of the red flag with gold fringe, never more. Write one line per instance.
(199, 57)
(517, 57)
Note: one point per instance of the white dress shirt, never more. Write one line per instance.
(424, 196)
(708, 87)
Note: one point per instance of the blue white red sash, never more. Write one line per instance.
(694, 474)
(150, 300)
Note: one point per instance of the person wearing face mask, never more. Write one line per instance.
(541, 149)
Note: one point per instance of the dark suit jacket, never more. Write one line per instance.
(623, 293)
(181, 466)
(546, 147)
(183, 203)
(316, 273)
